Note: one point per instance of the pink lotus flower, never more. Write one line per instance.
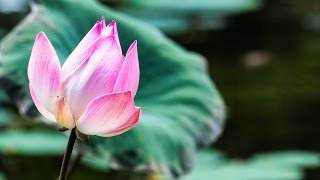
(94, 89)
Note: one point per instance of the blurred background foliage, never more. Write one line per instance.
(264, 57)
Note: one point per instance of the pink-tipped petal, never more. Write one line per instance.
(87, 46)
(134, 119)
(41, 109)
(114, 31)
(109, 114)
(103, 22)
(95, 78)
(128, 79)
(44, 72)
(63, 114)
(82, 52)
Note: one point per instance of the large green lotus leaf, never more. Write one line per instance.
(277, 165)
(181, 109)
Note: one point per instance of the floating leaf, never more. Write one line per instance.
(181, 109)
(32, 142)
(299, 159)
(278, 165)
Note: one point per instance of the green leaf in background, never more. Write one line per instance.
(2, 177)
(35, 142)
(11, 12)
(176, 17)
(200, 6)
(96, 163)
(3, 97)
(279, 165)
(6, 113)
(7, 116)
(13, 6)
(2, 33)
(181, 109)
(299, 159)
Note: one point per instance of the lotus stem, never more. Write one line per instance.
(67, 155)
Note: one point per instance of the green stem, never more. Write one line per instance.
(67, 155)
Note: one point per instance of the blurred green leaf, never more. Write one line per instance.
(2, 33)
(12, 12)
(32, 142)
(2, 177)
(7, 116)
(299, 159)
(200, 6)
(3, 97)
(279, 165)
(234, 170)
(210, 158)
(9, 6)
(186, 15)
(181, 109)
(96, 163)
